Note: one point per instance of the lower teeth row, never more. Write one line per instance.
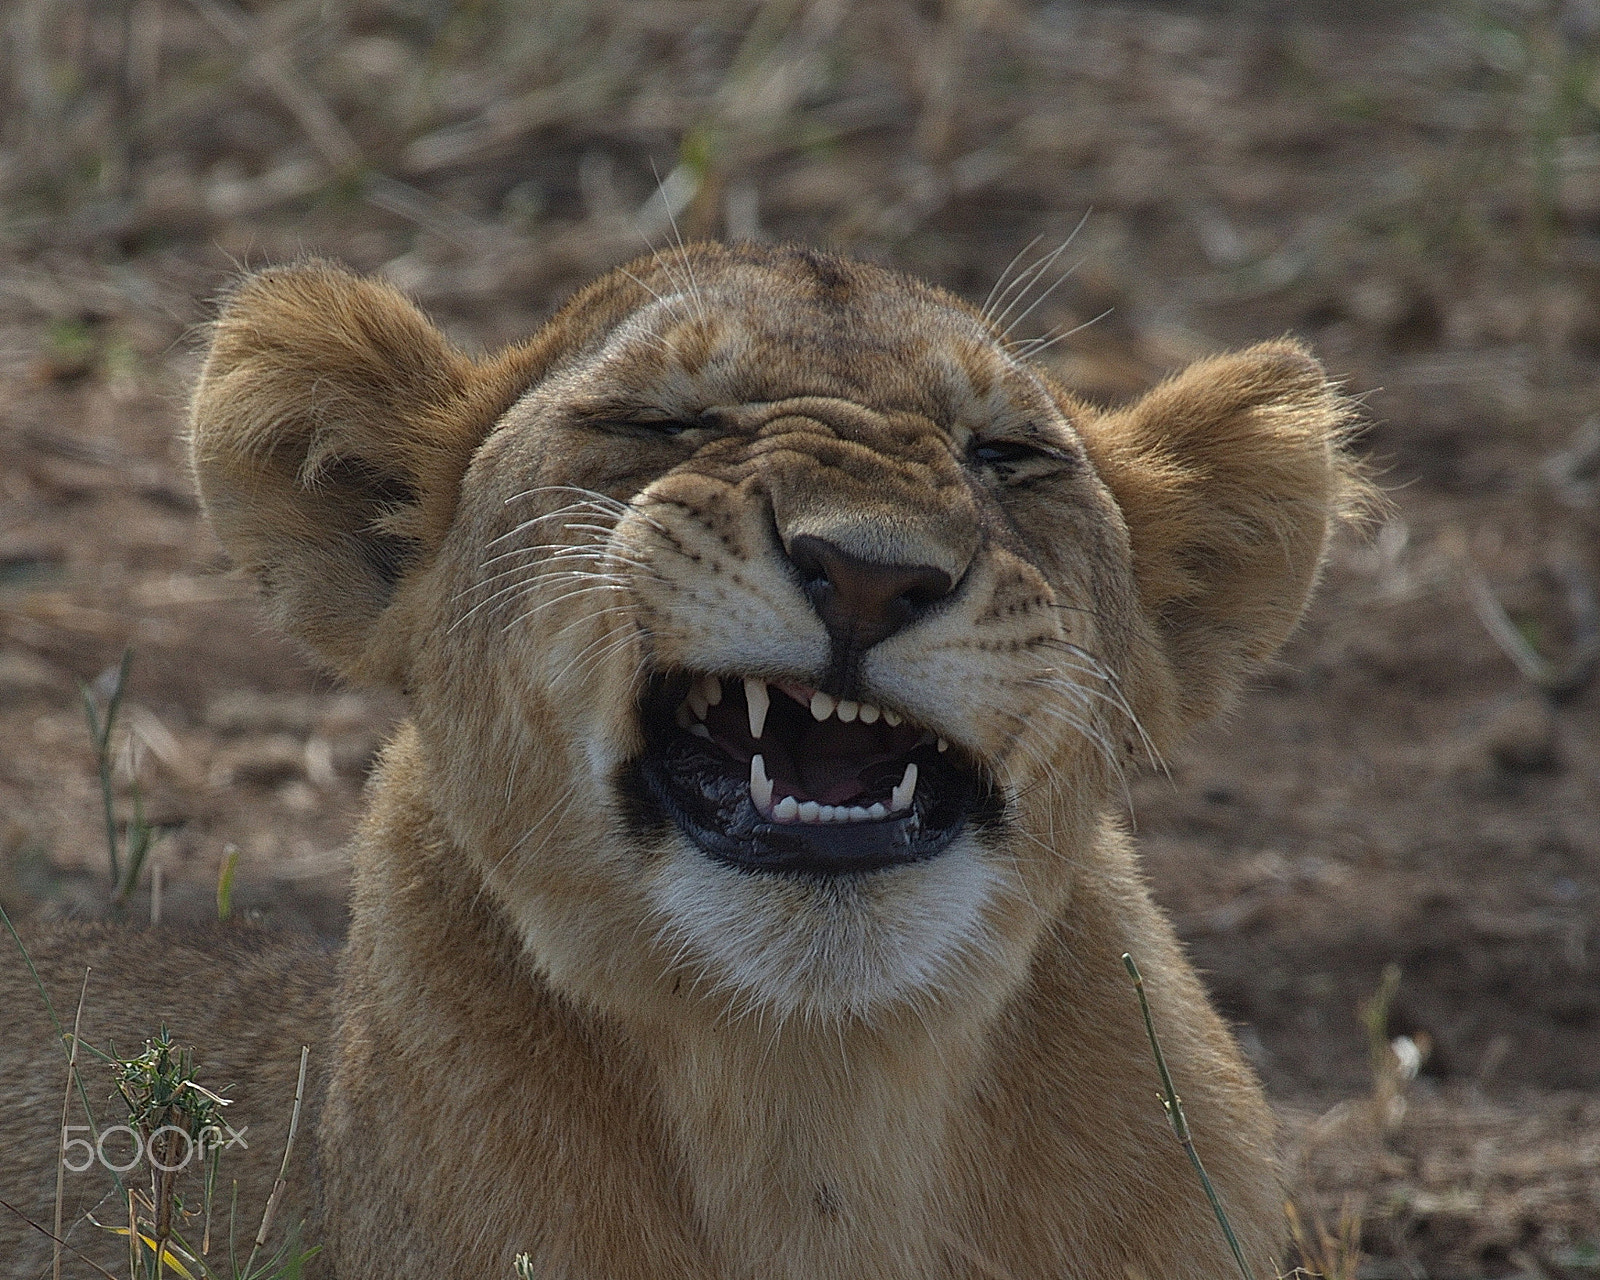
(791, 810)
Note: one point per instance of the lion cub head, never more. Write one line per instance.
(772, 632)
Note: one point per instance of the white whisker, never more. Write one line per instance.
(571, 509)
(1027, 350)
(1001, 279)
(1017, 290)
(641, 283)
(523, 578)
(1031, 277)
(516, 589)
(549, 604)
(609, 644)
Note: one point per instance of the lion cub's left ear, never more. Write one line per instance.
(1230, 476)
(329, 432)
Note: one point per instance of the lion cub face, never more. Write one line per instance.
(773, 634)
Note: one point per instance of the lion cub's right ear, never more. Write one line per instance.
(329, 433)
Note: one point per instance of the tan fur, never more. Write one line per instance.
(565, 1033)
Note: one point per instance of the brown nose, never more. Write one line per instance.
(862, 601)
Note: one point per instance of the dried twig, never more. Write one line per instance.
(267, 66)
(66, 1101)
(45, 1231)
(271, 1210)
(1557, 681)
(506, 122)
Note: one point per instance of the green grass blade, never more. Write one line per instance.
(1180, 1124)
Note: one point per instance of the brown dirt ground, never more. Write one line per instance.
(1415, 189)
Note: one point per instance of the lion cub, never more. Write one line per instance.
(743, 898)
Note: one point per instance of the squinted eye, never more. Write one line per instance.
(656, 423)
(648, 426)
(1004, 453)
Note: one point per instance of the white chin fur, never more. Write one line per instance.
(828, 949)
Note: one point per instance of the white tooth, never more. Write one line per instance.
(786, 810)
(697, 701)
(891, 717)
(858, 814)
(757, 699)
(822, 705)
(848, 710)
(870, 713)
(682, 715)
(877, 811)
(901, 798)
(943, 745)
(810, 811)
(760, 785)
(711, 688)
(827, 813)
(700, 731)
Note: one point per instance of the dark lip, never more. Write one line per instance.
(685, 780)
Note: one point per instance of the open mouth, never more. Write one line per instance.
(778, 776)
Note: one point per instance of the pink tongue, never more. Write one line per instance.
(843, 792)
(831, 759)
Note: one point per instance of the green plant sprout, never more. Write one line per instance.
(164, 1098)
(127, 856)
(166, 1105)
(1180, 1124)
(230, 865)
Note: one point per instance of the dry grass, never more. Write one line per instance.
(1415, 187)
(1419, 1181)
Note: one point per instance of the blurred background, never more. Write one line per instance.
(1387, 859)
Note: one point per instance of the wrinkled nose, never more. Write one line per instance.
(863, 601)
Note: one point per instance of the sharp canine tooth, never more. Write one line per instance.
(786, 810)
(870, 713)
(891, 718)
(943, 745)
(699, 730)
(810, 811)
(697, 701)
(757, 699)
(901, 798)
(711, 686)
(847, 710)
(877, 811)
(822, 705)
(760, 785)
